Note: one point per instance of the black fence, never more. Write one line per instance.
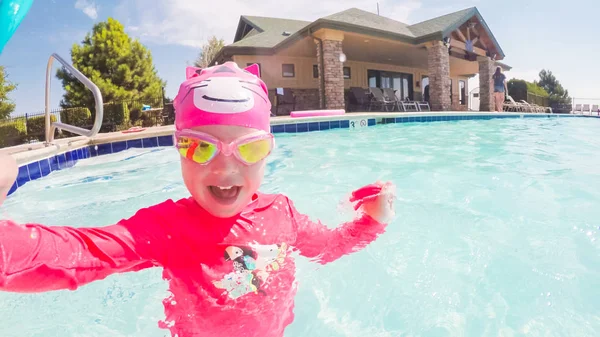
(28, 128)
(117, 116)
(29, 116)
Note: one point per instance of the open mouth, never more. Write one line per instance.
(225, 194)
(208, 98)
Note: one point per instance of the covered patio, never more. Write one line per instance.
(323, 62)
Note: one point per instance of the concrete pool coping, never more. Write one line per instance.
(28, 153)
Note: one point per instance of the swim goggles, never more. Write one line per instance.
(202, 148)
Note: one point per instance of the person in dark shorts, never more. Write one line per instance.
(500, 89)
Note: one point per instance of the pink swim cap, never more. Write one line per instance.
(223, 95)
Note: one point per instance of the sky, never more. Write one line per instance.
(560, 36)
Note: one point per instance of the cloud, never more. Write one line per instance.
(88, 7)
(187, 23)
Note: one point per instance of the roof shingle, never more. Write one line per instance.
(440, 23)
(270, 31)
(358, 17)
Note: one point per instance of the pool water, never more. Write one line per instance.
(497, 232)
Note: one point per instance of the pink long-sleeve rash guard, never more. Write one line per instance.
(227, 276)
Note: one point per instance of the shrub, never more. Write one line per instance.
(36, 128)
(81, 117)
(518, 90)
(536, 90)
(116, 115)
(145, 118)
(13, 132)
(135, 112)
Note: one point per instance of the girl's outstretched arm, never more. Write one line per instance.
(315, 240)
(37, 258)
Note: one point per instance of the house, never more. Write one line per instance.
(318, 61)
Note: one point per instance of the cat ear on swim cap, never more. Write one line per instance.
(191, 71)
(12, 12)
(253, 69)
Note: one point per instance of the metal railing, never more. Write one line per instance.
(52, 126)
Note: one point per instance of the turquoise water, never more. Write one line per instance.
(497, 232)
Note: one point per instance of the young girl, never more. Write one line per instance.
(225, 251)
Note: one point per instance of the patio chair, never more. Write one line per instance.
(407, 104)
(539, 108)
(168, 114)
(391, 96)
(378, 99)
(287, 98)
(532, 107)
(423, 106)
(528, 107)
(358, 97)
(410, 106)
(586, 108)
(517, 106)
(578, 108)
(510, 105)
(595, 109)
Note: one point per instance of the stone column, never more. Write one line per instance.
(331, 68)
(333, 71)
(486, 89)
(320, 67)
(438, 61)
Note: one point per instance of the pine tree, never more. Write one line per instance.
(121, 67)
(209, 51)
(557, 93)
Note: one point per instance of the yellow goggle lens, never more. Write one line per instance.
(255, 151)
(196, 150)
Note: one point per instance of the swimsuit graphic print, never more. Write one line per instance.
(251, 267)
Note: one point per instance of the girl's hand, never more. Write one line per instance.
(8, 175)
(376, 200)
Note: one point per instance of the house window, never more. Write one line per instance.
(347, 73)
(401, 83)
(462, 94)
(288, 70)
(259, 68)
(315, 71)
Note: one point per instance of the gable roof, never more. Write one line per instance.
(264, 34)
(441, 23)
(358, 17)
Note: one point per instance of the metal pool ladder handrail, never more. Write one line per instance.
(51, 127)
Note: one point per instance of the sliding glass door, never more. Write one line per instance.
(400, 82)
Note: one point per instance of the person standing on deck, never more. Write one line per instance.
(500, 89)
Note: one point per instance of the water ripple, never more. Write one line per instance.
(496, 234)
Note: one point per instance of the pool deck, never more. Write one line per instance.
(27, 153)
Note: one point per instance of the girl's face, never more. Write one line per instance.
(224, 186)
